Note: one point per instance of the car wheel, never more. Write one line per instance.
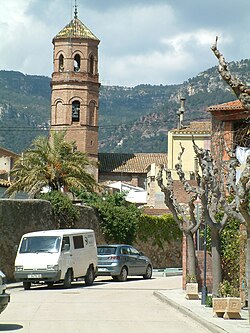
(26, 285)
(90, 277)
(148, 273)
(123, 275)
(68, 279)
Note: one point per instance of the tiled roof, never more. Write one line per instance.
(4, 183)
(196, 127)
(130, 163)
(76, 29)
(6, 152)
(234, 105)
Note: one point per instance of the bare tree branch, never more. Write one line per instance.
(239, 88)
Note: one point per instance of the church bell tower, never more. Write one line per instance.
(75, 86)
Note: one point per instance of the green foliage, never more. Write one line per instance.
(226, 289)
(209, 301)
(230, 250)
(51, 162)
(191, 278)
(64, 211)
(158, 229)
(118, 218)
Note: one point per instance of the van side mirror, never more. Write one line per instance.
(65, 247)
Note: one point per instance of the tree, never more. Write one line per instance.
(119, 218)
(51, 163)
(212, 193)
(241, 190)
(187, 222)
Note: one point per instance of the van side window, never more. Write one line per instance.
(65, 244)
(78, 242)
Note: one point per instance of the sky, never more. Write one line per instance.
(142, 41)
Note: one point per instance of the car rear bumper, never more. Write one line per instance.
(108, 270)
(4, 300)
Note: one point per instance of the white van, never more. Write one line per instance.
(56, 256)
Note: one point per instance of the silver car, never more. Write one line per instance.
(122, 260)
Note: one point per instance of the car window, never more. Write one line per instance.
(124, 250)
(134, 251)
(106, 250)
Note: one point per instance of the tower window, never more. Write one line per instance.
(91, 64)
(61, 63)
(91, 115)
(75, 111)
(77, 63)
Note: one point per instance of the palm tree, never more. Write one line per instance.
(52, 163)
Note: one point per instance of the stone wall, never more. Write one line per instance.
(18, 217)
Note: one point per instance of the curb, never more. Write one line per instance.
(212, 327)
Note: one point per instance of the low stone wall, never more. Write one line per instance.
(18, 217)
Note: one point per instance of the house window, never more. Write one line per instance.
(61, 63)
(91, 64)
(77, 63)
(75, 111)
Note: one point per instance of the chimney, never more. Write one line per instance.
(180, 113)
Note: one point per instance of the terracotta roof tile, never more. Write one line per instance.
(233, 105)
(4, 183)
(196, 127)
(6, 152)
(130, 163)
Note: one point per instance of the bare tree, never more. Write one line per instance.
(210, 190)
(187, 222)
(241, 190)
(239, 88)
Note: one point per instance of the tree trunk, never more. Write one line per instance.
(248, 270)
(191, 258)
(216, 260)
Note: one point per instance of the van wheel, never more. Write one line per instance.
(68, 279)
(26, 285)
(123, 275)
(90, 276)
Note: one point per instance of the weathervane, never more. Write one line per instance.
(75, 10)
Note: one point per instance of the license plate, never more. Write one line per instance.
(34, 276)
(102, 269)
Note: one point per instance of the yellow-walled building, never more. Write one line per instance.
(201, 131)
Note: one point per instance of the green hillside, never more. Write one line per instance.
(130, 119)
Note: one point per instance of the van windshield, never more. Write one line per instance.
(40, 244)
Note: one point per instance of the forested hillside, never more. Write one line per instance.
(130, 119)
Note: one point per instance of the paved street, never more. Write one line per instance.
(106, 307)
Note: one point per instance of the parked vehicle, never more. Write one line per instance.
(53, 256)
(4, 297)
(122, 260)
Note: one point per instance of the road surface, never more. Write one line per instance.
(105, 307)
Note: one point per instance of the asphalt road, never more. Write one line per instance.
(105, 307)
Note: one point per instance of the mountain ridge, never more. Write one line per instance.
(131, 119)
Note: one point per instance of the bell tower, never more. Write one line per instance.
(75, 86)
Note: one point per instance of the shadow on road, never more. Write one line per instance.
(10, 327)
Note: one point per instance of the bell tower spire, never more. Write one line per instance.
(75, 86)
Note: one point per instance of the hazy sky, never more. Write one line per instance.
(142, 41)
